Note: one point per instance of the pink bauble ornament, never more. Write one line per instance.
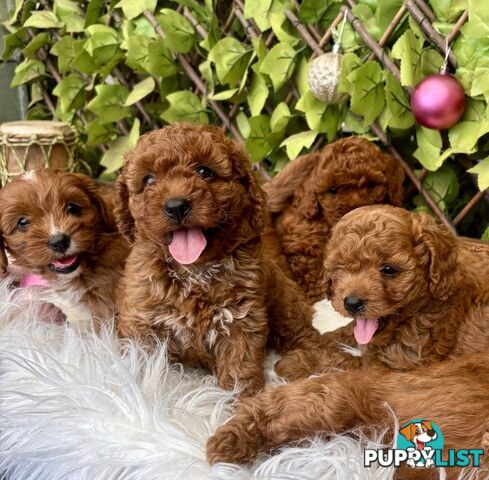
(438, 101)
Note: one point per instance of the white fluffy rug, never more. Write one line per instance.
(73, 407)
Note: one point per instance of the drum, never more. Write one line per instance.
(26, 145)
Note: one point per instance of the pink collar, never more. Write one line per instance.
(32, 280)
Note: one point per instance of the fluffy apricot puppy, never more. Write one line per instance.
(310, 195)
(416, 293)
(452, 394)
(197, 275)
(60, 233)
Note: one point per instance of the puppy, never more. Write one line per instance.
(416, 295)
(310, 195)
(453, 394)
(61, 234)
(197, 275)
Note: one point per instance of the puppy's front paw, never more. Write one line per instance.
(294, 366)
(233, 444)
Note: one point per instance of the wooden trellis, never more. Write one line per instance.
(319, 42)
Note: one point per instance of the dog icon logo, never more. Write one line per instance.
(421, 436)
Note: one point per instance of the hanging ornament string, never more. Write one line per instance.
(448, 49)
(325, 71)
(336, 46)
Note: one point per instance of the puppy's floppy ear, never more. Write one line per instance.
(3, 257)
(92, 189)
(438, 250)
(428, 424)
(125, 220)
(409, 431)
(256, 195)
(395, 179)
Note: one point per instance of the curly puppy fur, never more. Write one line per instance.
(310, 195)
(218, 310)
(434, 304)
(53, 202)
(453, 394)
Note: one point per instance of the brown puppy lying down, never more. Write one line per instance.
(310, 195)
(416, 293)
(452, 394)
(60, 231)
(197, 275)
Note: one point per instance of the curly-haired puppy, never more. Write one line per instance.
(416, 293)
(310, 195)
(197, 275)
(60, 233)
(452, 394)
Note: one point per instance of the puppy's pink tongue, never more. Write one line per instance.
(187, 245)
(65, 262)
(365, 329)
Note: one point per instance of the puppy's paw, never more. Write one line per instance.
(233, 444)
(295, 365)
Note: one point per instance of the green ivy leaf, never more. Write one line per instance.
(140, 90)
(185, 107)
(279, 64)
(295, 143)
(367, 98)
(397, 103)
(442, 185)
(349, 63)
(300, 78)
(429, 147)
(13, 41)
(134, 8)
(71, 93)
(311, 11)
(408, 50)
(108, 104)
(70, 13)
(102, 44)
(463, 137)
(257, 94)
(98, 133)
(368, 20)
(94, 12)
(259, 143)
(224, 95)
(282, 29)
(280, 118)
(320, 116)
(231, 59)
(36, 43)
(485, 235)
(259, 11)
(27, 71)
(385, 13)
(43, 19)
(179, 32)
(113, 158)
(478, 24)
(72, 56)
(482, 171)
(448, 10)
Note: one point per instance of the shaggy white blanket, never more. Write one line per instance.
(73, 407)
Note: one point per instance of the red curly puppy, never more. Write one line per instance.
(417, 295)
(310, 195)
(197, 275)
(60, 228)
(453, 394)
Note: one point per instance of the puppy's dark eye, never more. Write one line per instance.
(333, 191)
(149, 180)
(204, 172)
(23, 223)
(73, 209)
(389, 270)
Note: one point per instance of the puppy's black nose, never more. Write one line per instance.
(177, 209)
(354, 304)
(59, 243)
(431, 433)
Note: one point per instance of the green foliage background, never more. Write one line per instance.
(112, 61)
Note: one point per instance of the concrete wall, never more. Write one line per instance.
(13, 102)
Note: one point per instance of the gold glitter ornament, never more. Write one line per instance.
(324, 76)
